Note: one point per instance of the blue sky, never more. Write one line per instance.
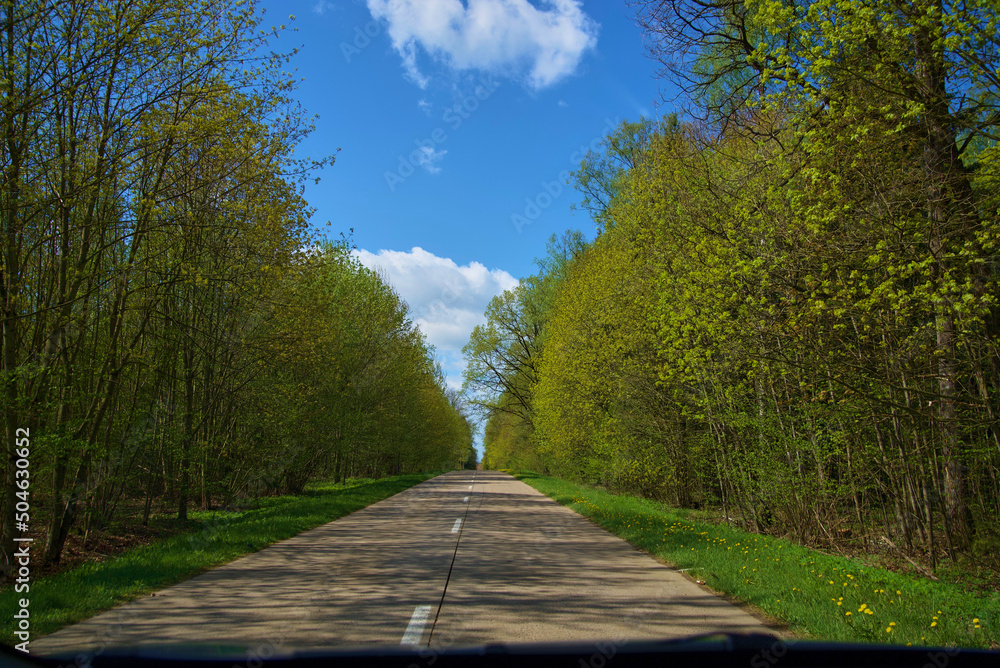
(457, 124)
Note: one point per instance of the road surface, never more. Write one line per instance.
(469, 557)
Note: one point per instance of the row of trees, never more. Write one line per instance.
(791, 309)
(348, 386)
(168, 338)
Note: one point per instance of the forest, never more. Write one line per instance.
(789, 313)
(176, 334)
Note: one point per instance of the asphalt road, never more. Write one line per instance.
(469, 557)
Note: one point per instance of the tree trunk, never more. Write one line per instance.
(944, 179)
(52, 550)
(69, 512)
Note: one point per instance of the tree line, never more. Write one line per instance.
(173, 333)
(790, 310)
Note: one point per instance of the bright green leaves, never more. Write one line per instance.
(359, 389)
(152, 210)
(791, 309)
(597, 368)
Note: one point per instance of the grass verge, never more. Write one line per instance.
(820, 596)
(215, 538)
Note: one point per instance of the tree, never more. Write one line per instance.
(916, 82)
(130, 127)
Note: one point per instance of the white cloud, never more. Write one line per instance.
(446, 299)
(427, 156)
(323, 5)
(503, 36)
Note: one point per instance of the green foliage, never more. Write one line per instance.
(348, 386)
(599, 178)
(596, 375)
(502, 356)
(167, 339)
(790, 313)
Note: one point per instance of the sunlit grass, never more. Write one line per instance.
(818, 595)
(215, 538)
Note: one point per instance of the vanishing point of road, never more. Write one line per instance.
(466, 558)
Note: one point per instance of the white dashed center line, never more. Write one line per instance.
(415, 629)
(458, 525)
(465, 500)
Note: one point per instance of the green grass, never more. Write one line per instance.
(215, 538)
(819, 596)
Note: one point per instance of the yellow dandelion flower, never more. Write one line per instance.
(933, 624)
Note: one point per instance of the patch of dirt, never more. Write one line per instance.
(102, 545)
